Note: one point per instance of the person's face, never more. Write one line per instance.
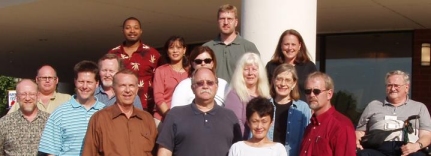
(132, 30)
(85, 85)
(227, 22)
(259, 125)
(176, 52)
(318, 96)
(125, 88)
(202, 61)
(250, 74)
(27, 97)
(284, 83)
(290, 47)
(108, 68)
(396, 88)
(204, 85)
(46, 80)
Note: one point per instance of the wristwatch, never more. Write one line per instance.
(420, 145)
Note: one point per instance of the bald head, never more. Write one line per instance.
(47, 79)
(26, 91)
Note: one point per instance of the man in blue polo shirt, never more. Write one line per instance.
(201, 128)
(66, 127)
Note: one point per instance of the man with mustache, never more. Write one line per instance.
(229, 46)
(20, 130)
(65, 129)
(48, 99)
(109, 65)
(201, 128)
(389, 114)
(329, 133)
(140, 58)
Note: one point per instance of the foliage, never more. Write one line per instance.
(6, 83)
(345, 103)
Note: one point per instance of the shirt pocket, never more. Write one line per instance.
(146, 141)
(321, 147)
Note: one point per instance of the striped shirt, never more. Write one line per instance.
(66, 127)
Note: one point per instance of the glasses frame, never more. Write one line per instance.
(206, 61)
(314, 91)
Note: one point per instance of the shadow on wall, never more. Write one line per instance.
(345, 102)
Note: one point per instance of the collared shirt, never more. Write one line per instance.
(228, 55)
(377, 110)
(189, 131)
(101, 95)
(54, 102)
(111, 133)
(143, 62)
(329, 134)
(18, 136)
(297, 121)
(65, 130)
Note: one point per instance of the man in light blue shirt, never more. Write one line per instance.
(66, 127)
(109, 65)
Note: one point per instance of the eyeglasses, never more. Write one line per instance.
(46, 78)
(280, 80)
(315, 91)
(396, 86)
(199, 61)
(24, 95)
(202, 83)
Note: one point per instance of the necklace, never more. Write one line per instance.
(176, 69)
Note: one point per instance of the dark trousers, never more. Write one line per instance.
(387, 148)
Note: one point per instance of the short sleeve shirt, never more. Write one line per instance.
(55, 101)
(188, 131)
(228, 55)
(143, 62)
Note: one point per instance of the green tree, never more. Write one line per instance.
(6, 83)
(345, 102)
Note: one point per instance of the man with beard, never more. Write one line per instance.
(202, 127)
(390, 114)
(329, 133)
(109, 65)
(229, 46)
(20, 130)
(140, 58)
(47, 99)
(65, 129)
(121, 129)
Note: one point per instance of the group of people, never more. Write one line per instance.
(218, 100)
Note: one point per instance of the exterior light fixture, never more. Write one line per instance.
(425, 54)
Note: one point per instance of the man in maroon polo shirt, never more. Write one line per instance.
(140, 58)
(329, 133)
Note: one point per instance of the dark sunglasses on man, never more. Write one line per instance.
(315, 91)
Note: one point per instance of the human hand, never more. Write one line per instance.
(410, 148)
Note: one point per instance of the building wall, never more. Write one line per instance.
(421, 75)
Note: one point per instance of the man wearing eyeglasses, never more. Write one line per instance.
(390, 114)
(229, 46)
(329, 133)
(202, 127)
(20, 130)
(48, 98)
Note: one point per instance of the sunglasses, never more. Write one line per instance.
(202, 83)
(199, 61)
(315, 91)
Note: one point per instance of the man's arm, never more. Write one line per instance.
(91, 140)
(424, 139)
(163, 151)
(359, 135)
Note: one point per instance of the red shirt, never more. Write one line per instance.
(329, 134)
(143, 62)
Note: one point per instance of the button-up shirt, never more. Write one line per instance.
(110, 132)
(18, 136)
(143, 62)
(329, 134)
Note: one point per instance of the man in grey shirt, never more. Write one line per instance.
(229, 46)
(389, 115)
(109, 65)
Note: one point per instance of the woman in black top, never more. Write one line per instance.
(291, 49)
